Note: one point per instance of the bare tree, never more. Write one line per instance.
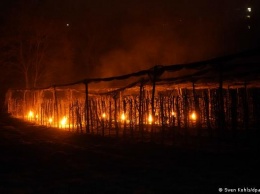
(31, 50)
(25, 49)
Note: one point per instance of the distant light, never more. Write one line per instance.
(123, 117)
(150, 119)
(50, 120)
(249, 27)
(193, 116)
(248, 16)
(67, 25)
(30, 114)
(249, 9)
(104, 115)
(63, 122)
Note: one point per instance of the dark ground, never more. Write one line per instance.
(35, 159)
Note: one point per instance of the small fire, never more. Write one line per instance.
(104, 115)
(150, 119)
(50, 120)
(63, 122)
(173, 114)
(30, 115)
(123, 117)
(193, 116)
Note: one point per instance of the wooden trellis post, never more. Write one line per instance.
(141, 121)
(245, 108)
(233, 94)
(110, 116)
(197, 109)
(124, 112)
(173, 115)
(206, 101)
(103, 119)
(153, 110)
(86, 106)
(178, 112)
(96, 114)
(185, 110)
(131, 117)
(91, 115)
(55, 108)
(161, 101)
(221, 112)
(115, 115)
(156, 72)
(42, 112)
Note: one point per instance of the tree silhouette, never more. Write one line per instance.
(31, 50)
(25, 45)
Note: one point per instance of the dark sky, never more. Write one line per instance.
(106, 38)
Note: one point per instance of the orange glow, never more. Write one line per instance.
(104, 115)
(150, 119)
(173, 114)
(50, 120)
(63, 122)
(123, 117)
(193, 116)
(30, 115)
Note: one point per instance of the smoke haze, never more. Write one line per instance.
(109, 38)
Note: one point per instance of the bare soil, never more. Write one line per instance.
(37, 159)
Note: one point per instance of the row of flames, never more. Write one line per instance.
(64, 121)
(62, 124)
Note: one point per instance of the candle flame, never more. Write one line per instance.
(50, 120)
(150, 119)
(63, 122)
(193, 116)
(123, 117)
(30, 114)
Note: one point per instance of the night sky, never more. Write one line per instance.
(97, 38)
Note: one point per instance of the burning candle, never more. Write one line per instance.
(193, 116)
(50, 120)
(63, 122)
(30, 115)
(123, 117)
(150, 119)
